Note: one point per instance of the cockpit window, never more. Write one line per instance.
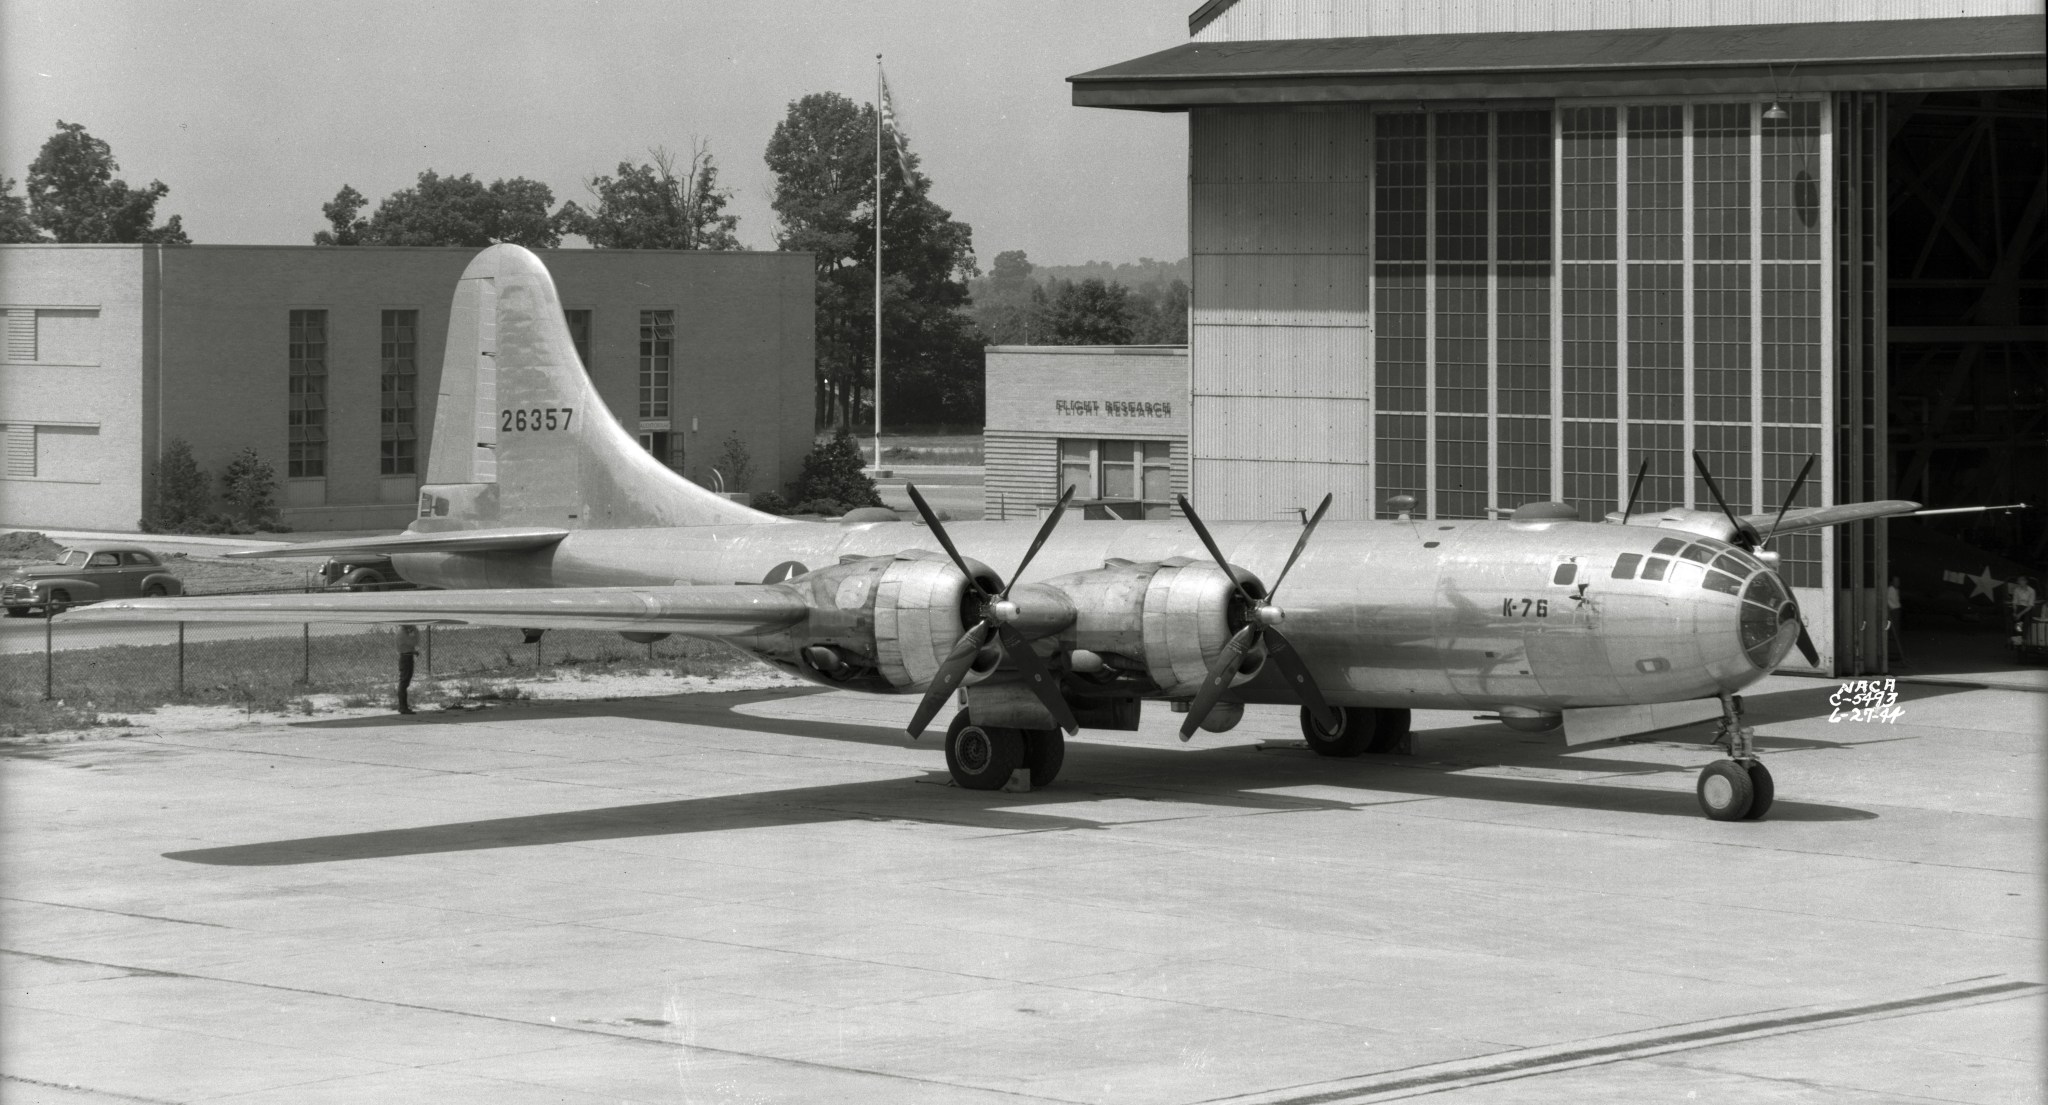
(1668, 546)
(1625, 568)
(1698, 553)
(1654, 568)
(1729, 563)
(1726, 584)
(1765, 590)
(1565, 573)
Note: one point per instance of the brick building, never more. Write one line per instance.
(327, 362)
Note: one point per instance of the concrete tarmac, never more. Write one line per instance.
(775, 897)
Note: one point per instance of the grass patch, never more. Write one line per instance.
(261, 675)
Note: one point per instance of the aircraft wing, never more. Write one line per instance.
(714, 611)
(1814, 517)
(466, 540)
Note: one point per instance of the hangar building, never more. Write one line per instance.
(327, 361)
(1501, 251)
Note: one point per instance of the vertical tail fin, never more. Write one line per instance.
(520, 435)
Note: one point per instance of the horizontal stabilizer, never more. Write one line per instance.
(1814, 517)
(715, 611)
(1606, 723)
(453, 541)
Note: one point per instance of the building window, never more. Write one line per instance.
(306, 413)
(1122, 472)
(579, 334)
(399, 360)
(657, 362)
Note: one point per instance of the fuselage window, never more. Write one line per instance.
(1726, 584)
(1655, 568)
(1625, 568)
(1668, 546)
(1730, 564)
(1698, 553)
(1565, 573)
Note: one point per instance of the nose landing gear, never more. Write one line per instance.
(1738, 788)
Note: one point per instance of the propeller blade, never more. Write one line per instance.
(1642, 470)
(1281, 651)
(1044, 531)
(1806, 648)
(1715, 490)
(931, 522)
(1218, 680)
(1789, 496)
(1300, 543)
(1036, 677)
(952, 670)
(1209, 543)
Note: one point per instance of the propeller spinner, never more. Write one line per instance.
(1262, 618)
(998, 614)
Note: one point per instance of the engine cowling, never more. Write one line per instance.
(1171, 618)
(878, 624)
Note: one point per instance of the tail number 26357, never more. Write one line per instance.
(536, 418)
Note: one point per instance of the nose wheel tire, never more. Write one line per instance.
(981, 757)
(1761, 790)
(1725, 790)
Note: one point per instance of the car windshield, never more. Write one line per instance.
(73, 558)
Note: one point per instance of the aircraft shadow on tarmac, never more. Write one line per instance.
(1229, 778)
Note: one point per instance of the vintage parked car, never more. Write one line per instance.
(363, 573)
(86, 573)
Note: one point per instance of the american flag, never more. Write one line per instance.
(889, 124)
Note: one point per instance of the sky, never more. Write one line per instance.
(256, 113)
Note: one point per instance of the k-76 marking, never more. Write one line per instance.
(536, 418)
(1523, 608)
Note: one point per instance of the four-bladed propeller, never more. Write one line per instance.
(997, 614)
(1262, 618)
(1749, 539)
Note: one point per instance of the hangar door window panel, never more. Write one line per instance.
(1462, 306)
(578, 319)
(1589, 175)
(398, 386)
(306, 407)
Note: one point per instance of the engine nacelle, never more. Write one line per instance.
(878, 624)
(1171, 618)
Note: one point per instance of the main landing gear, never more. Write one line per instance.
(1738, 788)
(1360, 729)
(982, 757)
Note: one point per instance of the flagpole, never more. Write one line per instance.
(878, 262)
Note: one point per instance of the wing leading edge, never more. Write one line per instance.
(713, 611)
(471, 540)
(1814, 517)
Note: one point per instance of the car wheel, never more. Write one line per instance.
(154, 591)
(58, 602)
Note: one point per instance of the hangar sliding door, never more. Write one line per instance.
(1562, 292)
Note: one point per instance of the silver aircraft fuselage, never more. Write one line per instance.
(1425, 613)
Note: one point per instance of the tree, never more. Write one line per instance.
(341, 211)
(1088, 313)
(1159, 315)
(15, 224)
(178, 494)
(1003, 302)
(73, 195)
(834, 475)
(823, 157)
(447, 211)
(650, 207)
(249, 484)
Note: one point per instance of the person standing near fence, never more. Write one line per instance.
(408, 648)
